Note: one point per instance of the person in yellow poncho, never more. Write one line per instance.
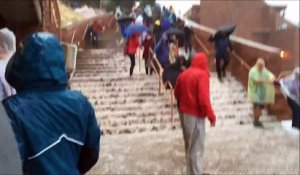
(261, 91)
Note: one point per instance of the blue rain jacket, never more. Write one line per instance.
(162, 51)
(54, 126)
(221, 45)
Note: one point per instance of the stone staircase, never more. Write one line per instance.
(122, 104)
(125, 105)
(141, 139)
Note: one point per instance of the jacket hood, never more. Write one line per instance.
(7, 41)
(199, 61)
(39, 63)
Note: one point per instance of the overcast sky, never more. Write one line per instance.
(292, 11)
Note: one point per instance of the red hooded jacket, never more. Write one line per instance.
(133, 44)
(192, 89)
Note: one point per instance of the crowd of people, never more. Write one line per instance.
(189, 74)
(56, 129)
(164, 36)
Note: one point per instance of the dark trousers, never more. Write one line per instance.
(132, 63)
(188, 46)
(95, 38)
(149, 70)
(221, 69)
(296, 113)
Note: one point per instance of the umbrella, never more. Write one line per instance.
(174, 31)
(227, 29)
(179, 34)
(135, 28)
(223, 31)
(126, 19)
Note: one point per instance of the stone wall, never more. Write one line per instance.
(45, 17)
(255, 21)
(288, 40)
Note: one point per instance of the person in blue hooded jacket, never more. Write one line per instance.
(222, 46)
(56, 128)
(162, 51)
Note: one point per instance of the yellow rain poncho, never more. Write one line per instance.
(261, 92)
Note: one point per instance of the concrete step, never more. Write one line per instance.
(126, 105)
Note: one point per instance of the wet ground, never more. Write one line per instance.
(234, 146)
(240, 149)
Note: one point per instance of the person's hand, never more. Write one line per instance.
(276, 83)
(212, 124)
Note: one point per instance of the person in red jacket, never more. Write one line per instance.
(148, 44)
(192, 94)
(133, 44)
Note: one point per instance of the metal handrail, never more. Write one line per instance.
(242, 61)
(110, 21)
(73, 36)
(86, 27)
(160, 78)
(159, 71)
(206, 50)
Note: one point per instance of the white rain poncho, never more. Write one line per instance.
(290, 86)
(7, 49)
(118, 12)
(148, 11)
(139, 20)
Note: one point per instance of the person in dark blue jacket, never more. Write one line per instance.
(162, 51)
(222, 45)
(56, 128)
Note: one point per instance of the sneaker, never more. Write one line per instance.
(224, 73)
(258, 124)
(220, 79)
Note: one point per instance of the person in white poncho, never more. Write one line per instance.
(7, 49)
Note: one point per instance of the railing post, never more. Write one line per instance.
(159, 82)
(73, 36)
(172, 107)
(139, 57)
(86, 27)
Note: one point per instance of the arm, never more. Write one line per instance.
(284, 74)
(8, 90)
(90, 152)
(192, 32)
(204, 99)
(177, 89)
(254, 78)
(19, 134)
(230, 45)
(263, 80)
